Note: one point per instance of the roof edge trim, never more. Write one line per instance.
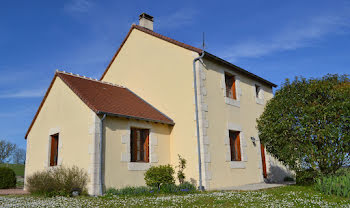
(134, 117)
(209, 55)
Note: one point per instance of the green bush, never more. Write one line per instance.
(157, 176)
(7, 178)
(306, 177)
(60, 181)
(336, 185)
(184, 188)
(288, 179)
(343, 171)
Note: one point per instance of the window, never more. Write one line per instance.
(54, 150)
(257, 91)
(230, 82)
(139, 139)
(235, 146)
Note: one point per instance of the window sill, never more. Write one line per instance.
(237, 164)
(138, 166)
(53, 167)
(259, 101)
(232, 102)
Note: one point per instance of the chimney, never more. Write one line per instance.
(146, 21)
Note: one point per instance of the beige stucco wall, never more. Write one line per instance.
(161, 73)
(119, 171)
(64, 113)
(223, 116)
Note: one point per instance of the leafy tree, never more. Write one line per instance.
(307, 124)
(19, 156)
(6, 150)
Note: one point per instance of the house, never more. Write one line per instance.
(142, 112)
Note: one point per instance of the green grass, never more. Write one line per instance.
(290, 196)
(18, 168)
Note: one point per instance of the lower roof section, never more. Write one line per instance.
(107, 98)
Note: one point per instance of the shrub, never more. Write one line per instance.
(336, 185)
(184, 188)
(58, 181)
(343, 171)
(157, 176)
(130, 191)
(187, 186)
(7, 178)
(306, 177)
(288, 179)
(180, 173)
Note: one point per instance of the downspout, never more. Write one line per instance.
(101, 153)
(201, 188)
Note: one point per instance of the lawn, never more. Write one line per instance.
(291, 196)
(18, 168)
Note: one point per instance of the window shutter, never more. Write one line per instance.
(233, 89)
(54, 150)
(52, 153)
(238, 147)
(146, 146)
(133, 145)
(232, 147)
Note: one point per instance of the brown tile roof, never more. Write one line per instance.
(107, 98)
(189, 47)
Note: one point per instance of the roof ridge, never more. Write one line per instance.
(168, 39)
(88, 78)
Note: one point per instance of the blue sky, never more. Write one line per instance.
(273, 39)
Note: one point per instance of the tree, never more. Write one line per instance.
(19, 156)
(307, 124)
(6, 150)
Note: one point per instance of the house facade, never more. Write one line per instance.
(116, 137)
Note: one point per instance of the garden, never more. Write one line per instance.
(288, 196)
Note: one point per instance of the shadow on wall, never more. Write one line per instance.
(276, 174)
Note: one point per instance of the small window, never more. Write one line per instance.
(235, 146)
(139, 139)
(230, 82)
(54, 150)
(257, 91)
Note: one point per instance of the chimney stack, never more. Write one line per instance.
(146, 21)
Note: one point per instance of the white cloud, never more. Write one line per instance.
(291, 38)
(23, 94)
(78, 6)
(181, 17)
